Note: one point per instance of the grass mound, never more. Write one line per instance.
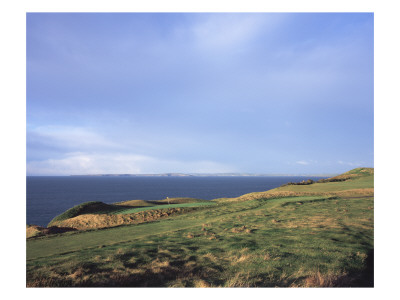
(92, 207)
(123, 208)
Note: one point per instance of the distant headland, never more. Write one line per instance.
(200, 175)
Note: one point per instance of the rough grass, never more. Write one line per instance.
(355, 186)
(361, 171)
(85, 211)
(306, 238)
(93, 207)
(134, 210)
(290, 240)
(128, 217)
(33, 230)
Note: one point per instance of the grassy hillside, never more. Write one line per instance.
(299, 235)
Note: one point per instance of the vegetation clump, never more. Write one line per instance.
(303, 182)
(333, 179)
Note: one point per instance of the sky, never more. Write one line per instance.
(147, 93)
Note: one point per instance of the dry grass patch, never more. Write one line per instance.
(33, 230)
(210, 256)
(97, 258)
(164, 251)
(241, 279)
(241, 229)
(272, 194)
(311, 222)
(77, 274)
(97, 221)
(157, 264)
(267, 256)
(363, 256)
(200, 283)
(326, 280)
(242, 258)
(120, 251)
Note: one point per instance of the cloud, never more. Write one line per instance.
(352, 164)
(86, 163)
(68, 137)
(66, 150)
(219, 32)
(53, 142)
(194, 89)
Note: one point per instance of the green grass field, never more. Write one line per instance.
(262, 240)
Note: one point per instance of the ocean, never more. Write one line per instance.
(49, 196)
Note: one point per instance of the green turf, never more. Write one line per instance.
(292, 241)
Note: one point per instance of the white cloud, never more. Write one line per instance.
(302, 162)
(223, 31)
(69, 137)
(352, 164)
(85, 163)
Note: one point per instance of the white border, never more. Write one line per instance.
(12, 24)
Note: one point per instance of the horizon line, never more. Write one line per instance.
(177, 174)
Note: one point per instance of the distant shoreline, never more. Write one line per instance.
(202, 175)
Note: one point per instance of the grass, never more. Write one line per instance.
(297, 241)
(93, 207)
(165, 206)
(125, 207)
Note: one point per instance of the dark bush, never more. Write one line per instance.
(309, 181)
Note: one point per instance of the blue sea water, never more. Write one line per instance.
(49, 196)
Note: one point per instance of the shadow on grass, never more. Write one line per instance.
(354, 278)
(177, 273)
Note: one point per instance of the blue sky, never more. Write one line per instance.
(199, 93)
